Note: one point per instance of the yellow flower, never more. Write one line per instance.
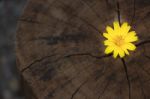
(119, 39)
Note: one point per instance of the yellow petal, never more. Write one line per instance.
(108, 42)
(130, 46)
(116, 25)
(132, 33)
(106, 35)
(131, 37)
(124, 25)
(125, 28)
(121, 53)
(126, 51)
(108, 50)
(109, 30)
(115, 54)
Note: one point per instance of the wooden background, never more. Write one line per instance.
(60, 51)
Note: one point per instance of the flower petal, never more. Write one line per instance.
(130, 46)
(126, 51)
(106, 35)
(116, 25)
(108, 43)
(115, 54)
(124, 25)
(121, 53)
(131, 37)
(108, 50)
(125, 28)
(109, 30)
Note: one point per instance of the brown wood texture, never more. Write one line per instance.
(60, 51)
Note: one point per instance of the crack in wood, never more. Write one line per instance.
(67, 56)
(83, 20)
(89, 54)
(144, 53)
(109, 5)
(38, 22)
(141, 84)
(146, 71)
(84, 2)
(77, 90)
(118, 12)
(51, 94)
(64, 84)
(53, 26)
(99, 73)
(49, 74)
(143, 42)
(147, 56)
(127, 76)
(38, 60)
(133, 16)
(105, 88)
(34, 21)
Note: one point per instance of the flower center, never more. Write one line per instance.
(119, 41)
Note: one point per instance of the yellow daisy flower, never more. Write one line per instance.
(119, 39)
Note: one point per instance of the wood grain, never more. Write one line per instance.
(60, 51)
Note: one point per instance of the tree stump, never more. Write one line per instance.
(60, 51)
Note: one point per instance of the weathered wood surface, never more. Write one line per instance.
(60, 52)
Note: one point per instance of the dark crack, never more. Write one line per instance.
(109, 5)
(133, 16)
(118, 12)
(38, 60)
(77, 90)
(145, 70)
(67, 56)
(51, 93)
(99, 73)
(30, 20)
(83, 20)
(146, 56)
(141, 85)
(143, 42)
(65, 84)
(83, 1)
(52, 26)
(127, 76)
(105, 88)
(89, 54)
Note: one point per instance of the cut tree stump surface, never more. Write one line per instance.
(60, 51)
